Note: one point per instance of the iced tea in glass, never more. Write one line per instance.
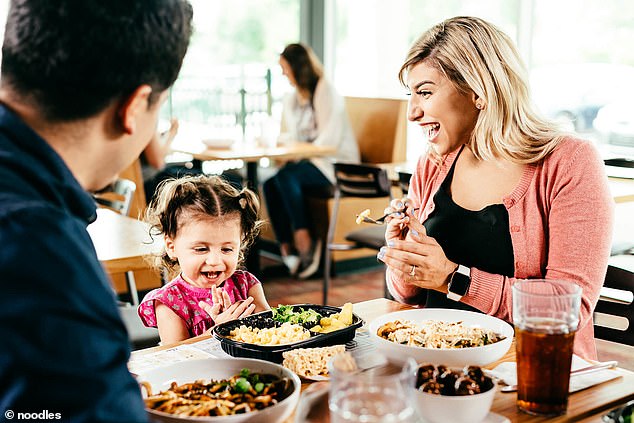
(546, 316)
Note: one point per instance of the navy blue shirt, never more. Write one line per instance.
(63, 346)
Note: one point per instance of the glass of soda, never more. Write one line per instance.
(546, 316)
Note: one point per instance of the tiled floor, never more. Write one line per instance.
(280, 288)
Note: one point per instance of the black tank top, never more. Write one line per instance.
(479, 239)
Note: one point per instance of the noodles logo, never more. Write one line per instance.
(42, 415)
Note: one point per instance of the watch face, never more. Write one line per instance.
(459, 283)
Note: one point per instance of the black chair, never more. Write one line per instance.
(361, 181)
(610, 310)
(403, 181)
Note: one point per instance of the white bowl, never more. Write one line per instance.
(221, 368)
(478, 356)
(435, 408)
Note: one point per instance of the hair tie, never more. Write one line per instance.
(242, 201)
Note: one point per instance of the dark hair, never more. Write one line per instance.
(305, 66)
(191, 196)
(72, 58)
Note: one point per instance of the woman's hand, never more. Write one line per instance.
(417, 259)
(396, 222)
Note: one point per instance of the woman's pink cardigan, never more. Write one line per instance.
(560, 218)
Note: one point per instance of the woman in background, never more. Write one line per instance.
(313, 113)
(501, 194)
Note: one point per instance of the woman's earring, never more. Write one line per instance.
(479, 105)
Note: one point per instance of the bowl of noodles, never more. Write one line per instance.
(441, 336)
(220, 390)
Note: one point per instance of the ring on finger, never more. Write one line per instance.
(413, 271)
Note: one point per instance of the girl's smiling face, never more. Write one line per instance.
(446, 116)
(207, 248)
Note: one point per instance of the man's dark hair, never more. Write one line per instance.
(70, 59)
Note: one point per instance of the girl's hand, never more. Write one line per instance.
(220, 298)
(237, 310)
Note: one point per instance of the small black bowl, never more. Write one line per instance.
(274, 352)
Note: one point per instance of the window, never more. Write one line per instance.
(578, 53)
(230, 78)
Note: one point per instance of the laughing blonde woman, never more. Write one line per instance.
(501, 194)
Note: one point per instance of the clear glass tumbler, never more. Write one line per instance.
(376, 394)
(546, 316)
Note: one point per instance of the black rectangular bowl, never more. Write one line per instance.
(274, 352)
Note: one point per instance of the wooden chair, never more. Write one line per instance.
(380, 128)
(360, 182)
(614, 317)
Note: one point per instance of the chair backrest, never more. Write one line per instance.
(403, 181)
(380, 127)
(134, 174)
(118, 196)
(614, 312)
(358, 180)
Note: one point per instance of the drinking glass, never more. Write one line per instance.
(380, 393)
(546, 316)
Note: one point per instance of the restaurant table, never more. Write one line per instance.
(251, 154)
(122, 243)
(585, 404)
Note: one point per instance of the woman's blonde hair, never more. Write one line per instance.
(190, 197)
(479, 58)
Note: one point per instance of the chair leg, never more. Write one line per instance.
(386, 292)
(134, 294)
(327, 269)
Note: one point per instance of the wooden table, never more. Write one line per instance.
(122, 243)
(252, 154)
(591, 402)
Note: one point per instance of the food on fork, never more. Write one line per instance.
(360, 216)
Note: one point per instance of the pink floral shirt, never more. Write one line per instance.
(183, 299)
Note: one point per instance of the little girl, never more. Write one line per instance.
(207, 226)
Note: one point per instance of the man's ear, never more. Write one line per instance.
(134, 104)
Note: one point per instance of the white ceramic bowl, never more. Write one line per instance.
(221, 368)
(455, 409)
(477, 356)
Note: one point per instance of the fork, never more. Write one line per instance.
(381, 220)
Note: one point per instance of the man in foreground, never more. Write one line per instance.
(81, 87)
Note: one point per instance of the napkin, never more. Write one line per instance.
(507, 373)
